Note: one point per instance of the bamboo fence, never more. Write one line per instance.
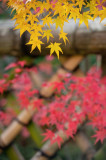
(25, 116)
(69, 64)
(47, 150)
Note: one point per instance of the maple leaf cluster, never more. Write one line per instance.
(76, 100)
(18, 81)
(36, 16)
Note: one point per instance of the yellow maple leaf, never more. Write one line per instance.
(55, 47)
(35, 43)
(48, 34)
(23, 27)
(47, 20)
(34, 15)
(80, 3)
(63, 36)
(60, 22)
(103, 13)
(84, 18)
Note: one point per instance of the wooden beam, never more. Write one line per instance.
(81, 40)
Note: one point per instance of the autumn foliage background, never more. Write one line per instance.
(76, 100)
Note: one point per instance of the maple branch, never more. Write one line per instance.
(82, 40)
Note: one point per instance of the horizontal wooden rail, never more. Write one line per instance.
(25, 116)
(81, 39)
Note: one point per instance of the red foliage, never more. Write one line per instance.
(3, 85)
(81, 99)
(75, 100)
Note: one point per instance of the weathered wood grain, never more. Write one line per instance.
(81, 39)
